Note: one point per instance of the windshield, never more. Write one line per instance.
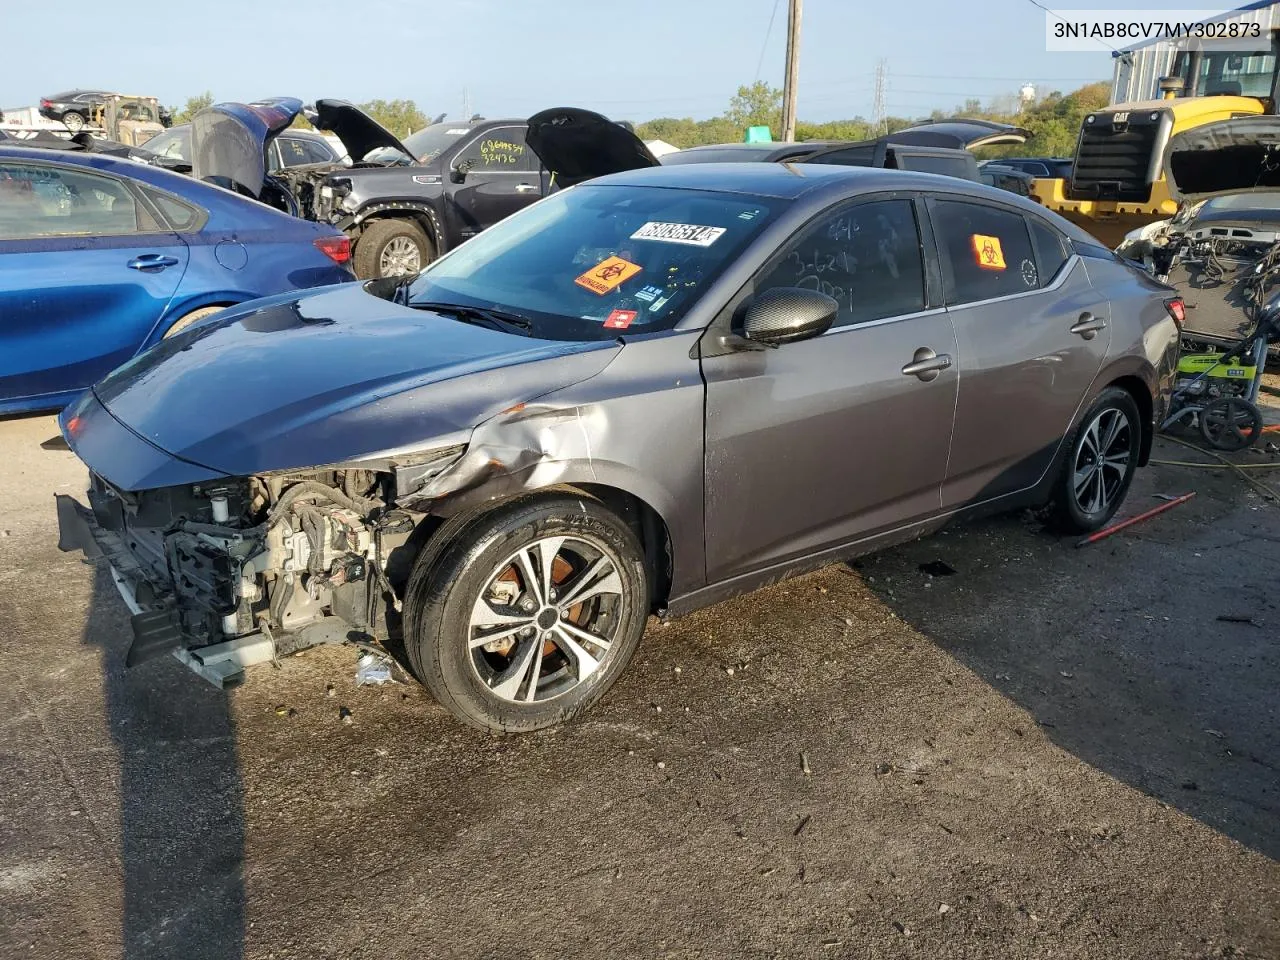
(172, 144)
(1226, 72)
(429, 142)
(590, 262)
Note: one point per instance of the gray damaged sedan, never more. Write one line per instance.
(643, 394)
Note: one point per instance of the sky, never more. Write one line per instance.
(633, 61)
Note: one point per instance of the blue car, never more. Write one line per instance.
(101, 257)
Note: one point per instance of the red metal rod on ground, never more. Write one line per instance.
(1116, 528)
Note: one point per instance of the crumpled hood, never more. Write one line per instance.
(578, 145)
(1230, 156)
(360, 133)
(229, 141)
(335, 375)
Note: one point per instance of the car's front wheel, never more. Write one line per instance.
(528, 613)
(392, 248)
(1101, 461)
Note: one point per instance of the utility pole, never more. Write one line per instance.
(877, 108)
(792, 79)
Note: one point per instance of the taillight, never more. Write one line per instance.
(1178, 310)
(337, 249)
(46, 103)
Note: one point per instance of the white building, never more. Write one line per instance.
(1138, 68)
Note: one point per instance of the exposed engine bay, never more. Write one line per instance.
(273, 564)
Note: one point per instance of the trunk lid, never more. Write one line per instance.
(1241, 155)
(229, 141)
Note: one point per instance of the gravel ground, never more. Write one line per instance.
(1051, 752)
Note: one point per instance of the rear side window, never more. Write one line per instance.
(179, 214)
(867, 257)
(1051, 253)
(53, 201)
(986, 252)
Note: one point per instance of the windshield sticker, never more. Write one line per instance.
(688, 233)
(987, 252)
(607, 275)
(619, 319)
(1029, 275)
(456, 131)
(648, 294)
(748, 214)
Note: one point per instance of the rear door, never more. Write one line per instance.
(87, 272)
(821, 443)
(501, 178)
(1032, 334)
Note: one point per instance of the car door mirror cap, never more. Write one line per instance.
(788, 314)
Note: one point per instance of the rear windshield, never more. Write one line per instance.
(594, 261)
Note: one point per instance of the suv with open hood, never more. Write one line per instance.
(403, 203)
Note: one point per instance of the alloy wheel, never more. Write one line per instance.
(547, 619)
(400, 256)
(1103, 459)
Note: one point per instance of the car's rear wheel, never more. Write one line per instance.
(73, 121)
(183, 322)
(528, 614)
(1101, 460)
(392, 248)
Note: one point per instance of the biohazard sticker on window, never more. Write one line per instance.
(987, 252)
(607, 275)
(689, 233)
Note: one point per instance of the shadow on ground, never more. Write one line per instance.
(181, 799)
(1118, 650)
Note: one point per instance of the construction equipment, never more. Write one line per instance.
(128, 119)
(1118, 181)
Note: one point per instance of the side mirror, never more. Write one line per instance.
(787, 314)
(459, 173)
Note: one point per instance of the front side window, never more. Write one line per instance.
(48, 201)
(867, 257)
(986, 252)
(297, 152)
(594, 261)
(497, 151)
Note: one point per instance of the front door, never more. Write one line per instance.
(1032, 334)
(501, 177)
(825, 442)
(85, 274)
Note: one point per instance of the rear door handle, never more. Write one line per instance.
(1088, 325)
(152, 261)
(525, 188)
(926, 364)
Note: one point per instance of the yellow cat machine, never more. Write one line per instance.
(126, 119)
(1118, 181)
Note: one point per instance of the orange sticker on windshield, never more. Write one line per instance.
(611, 273)
(988, 252)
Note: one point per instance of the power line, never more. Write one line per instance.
(1054, 13)
(765, 46)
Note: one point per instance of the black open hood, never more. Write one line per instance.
(959, 134)
(229, 141)
(360, 133)
(577, 145)
(1230, 156)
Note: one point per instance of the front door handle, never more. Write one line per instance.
(1088, 325)
(152, 261)
(525, 188)
(926, 364)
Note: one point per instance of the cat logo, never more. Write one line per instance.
(1121, 118)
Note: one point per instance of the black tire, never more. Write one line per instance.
(380, 235)
(75, 122)
(1071, 502)
(187, 320)
(472, 557)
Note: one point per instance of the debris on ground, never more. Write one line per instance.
(804, 764)
(373, 670)
(1236, 618)
(804, 822)
(328, 690)
(344, 714)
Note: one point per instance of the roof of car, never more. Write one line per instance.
(784, 181)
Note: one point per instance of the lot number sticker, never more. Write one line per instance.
(607, 275)
(619, 319)
(687, 233)
(988, 252)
